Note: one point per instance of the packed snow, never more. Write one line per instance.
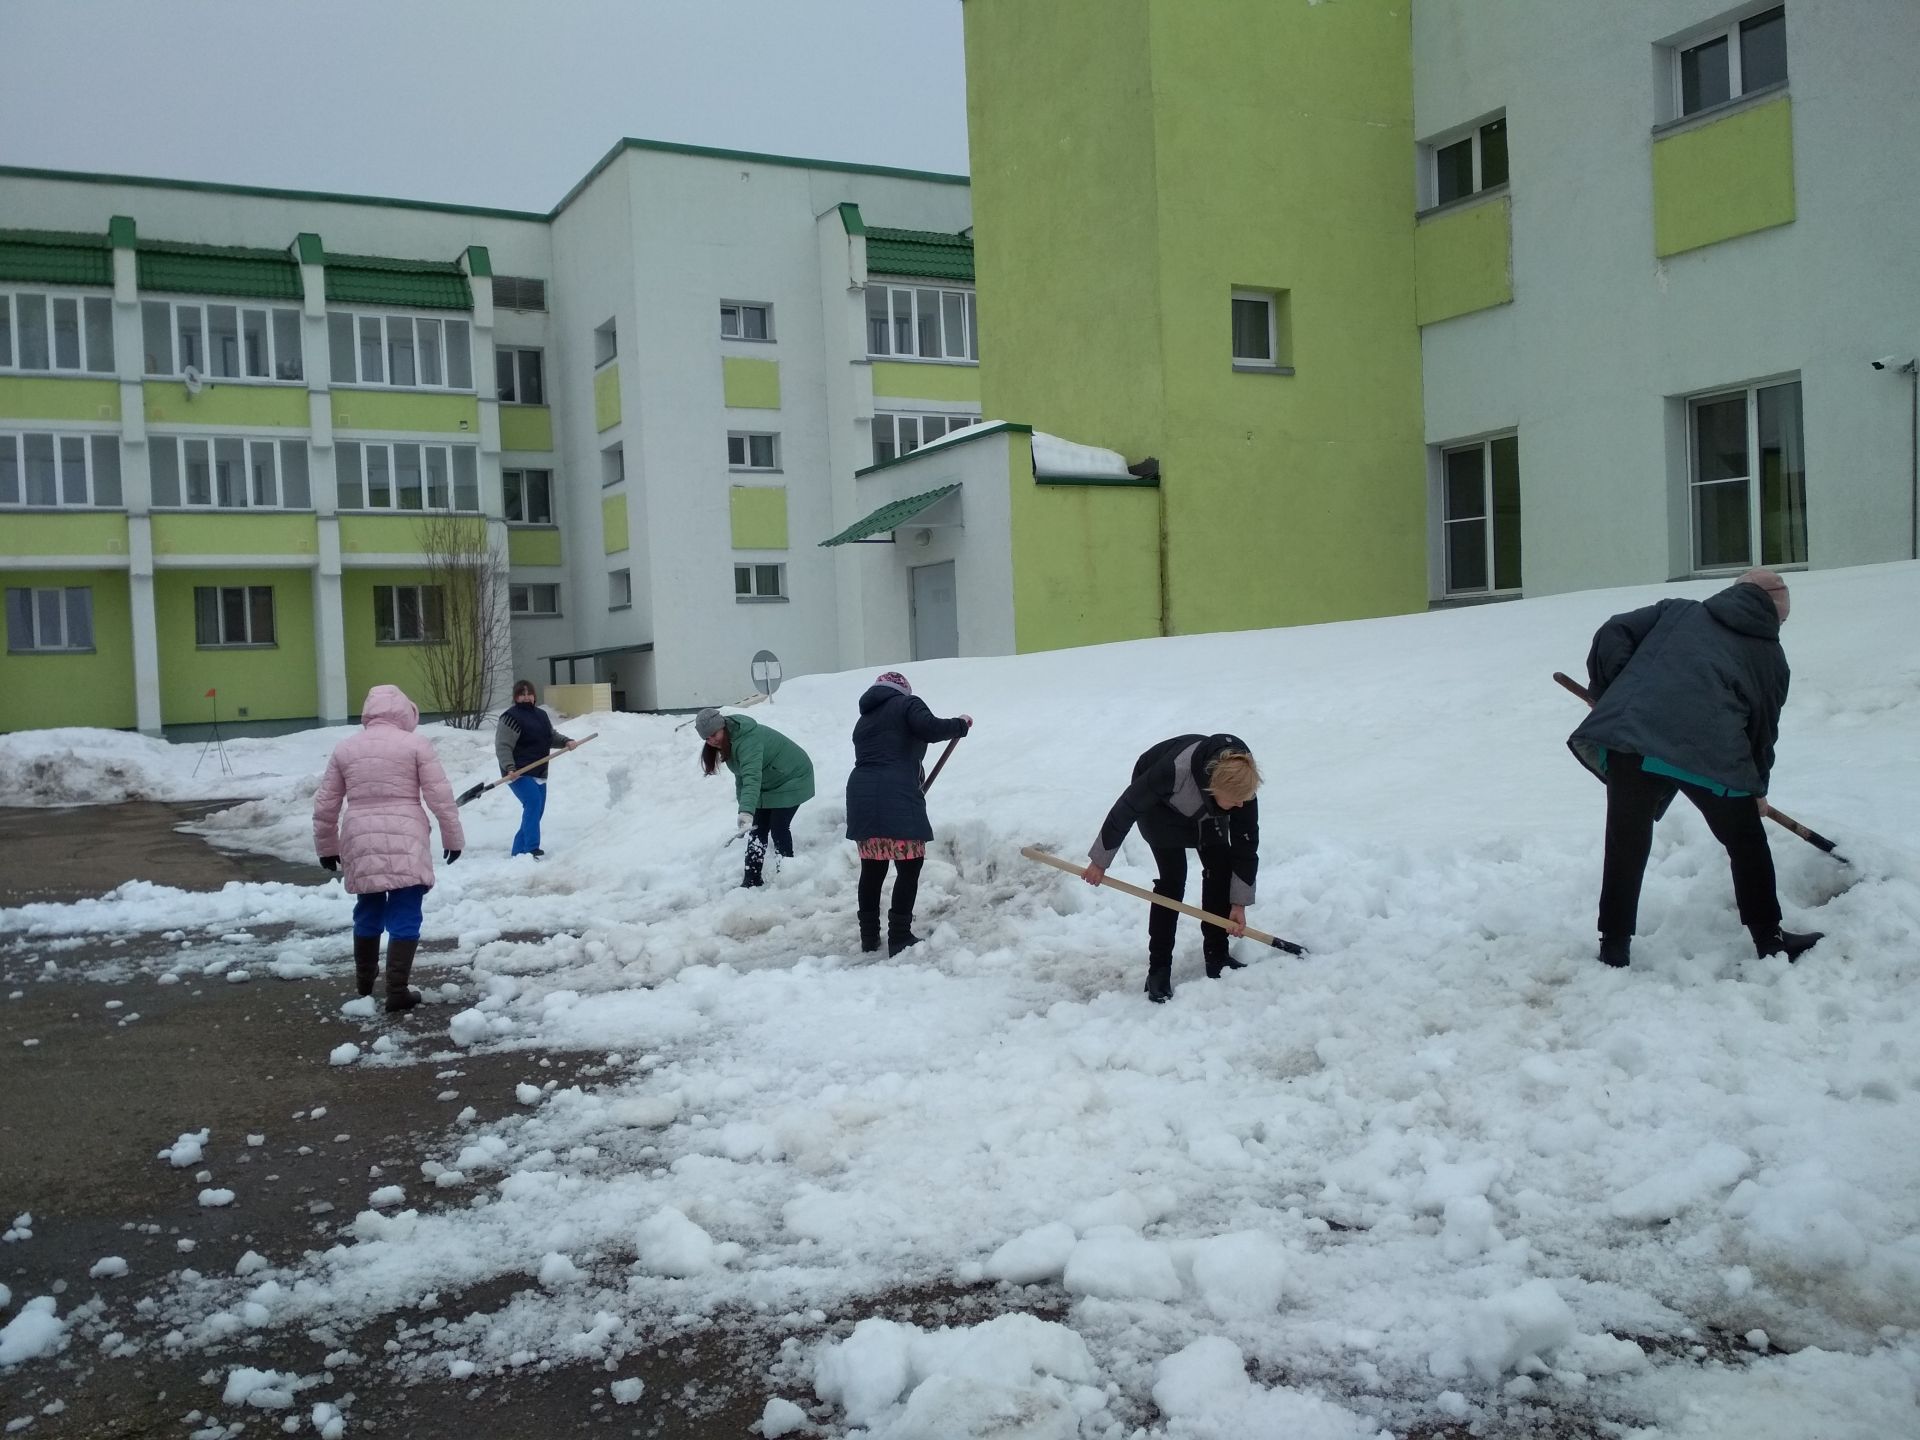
(1446, 1169)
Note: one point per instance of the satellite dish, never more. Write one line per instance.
(765, 672)
(195, 381)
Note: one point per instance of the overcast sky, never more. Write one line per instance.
(480, 102)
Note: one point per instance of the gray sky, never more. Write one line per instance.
(480, 102)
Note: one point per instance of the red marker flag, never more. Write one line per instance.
(210, 694)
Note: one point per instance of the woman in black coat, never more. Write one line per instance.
(886, 806)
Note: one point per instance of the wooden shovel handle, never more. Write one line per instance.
(1047, 857)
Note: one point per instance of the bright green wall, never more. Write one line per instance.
(92, 689)
(903, 380)
(526, 427)
(759, 517)
(606, 398)
(369, 664)
(1463, 260)
(613, 524)
(533, 547)
(228, 534)
(387, 534)
(279, 682)
(1728, 177)
(65, 532)
(750, 384)
(36, 397)
(416, 410)
(285, 406)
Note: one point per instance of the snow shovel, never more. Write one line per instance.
(940, 764)
(478, 790)
(1784, 821)
(753, 699)
(1047, 857)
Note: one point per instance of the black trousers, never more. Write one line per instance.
(1634, 800)
(1216, 889)
(777, 825)
(906, 886)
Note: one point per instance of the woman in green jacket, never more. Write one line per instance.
(772, 778)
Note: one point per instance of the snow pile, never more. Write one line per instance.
(108, 1267)
(33, 1332)
(262, 1389)
(344, 1054)
(187, 1150)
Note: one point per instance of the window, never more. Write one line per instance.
(895, 435)
(229, 473)
(921, 323)
(1748, 475)
(511, 292)
(619, 589)
(1262, 331)
(226, 616)
(403, 352)
(1731, 61)
(747, 451)
(376, 475)
(50, 620)
(521, 377)
(533, 599)
(232, 342)
(1480, 517)
(409, 615)
(1476, 161)
(72, 333)
(606, 343)
(759, 582)
(742, 321)
(613, 465)
(529, 496)
(43, 471)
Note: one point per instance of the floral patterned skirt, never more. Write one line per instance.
(879, 849)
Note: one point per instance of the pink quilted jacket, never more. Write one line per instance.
(383, 773)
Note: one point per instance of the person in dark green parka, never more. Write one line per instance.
(772, 778)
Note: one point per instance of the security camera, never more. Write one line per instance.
(1894, 362)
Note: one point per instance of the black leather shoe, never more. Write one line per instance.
(1159, 981)
(1218, 965)
(1784, 942)
(1616, 952)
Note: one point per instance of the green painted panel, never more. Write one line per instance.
(1463, 260)
(1729, 177)
(606, 398)
(533, 547)
(759, 516)
(905, 380)
(65, 532)
(379, 535)
(273, 682)
(285, 406)
(91, 689)
(750, 384)
(228, 534)
(1086, 560)
(438, 413)
(613, 524)
(41, 397)
(526, 427)
(368, 662)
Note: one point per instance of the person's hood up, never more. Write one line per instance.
(878, 695)
(1747, 610)
(389, 705)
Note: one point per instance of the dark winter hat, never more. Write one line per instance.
(895, 679)
(708, 723)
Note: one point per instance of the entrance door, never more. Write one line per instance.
(936, 612)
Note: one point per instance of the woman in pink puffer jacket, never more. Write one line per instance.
(383, 773)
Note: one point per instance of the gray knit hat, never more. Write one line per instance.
(708, 722)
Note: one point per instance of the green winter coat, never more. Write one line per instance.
(770, 772)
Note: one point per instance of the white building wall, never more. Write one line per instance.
(1601, 334)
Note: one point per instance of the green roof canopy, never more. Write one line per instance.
(932, 253)
(55, 257)
(376, 280)
(167, 265)
(891, 516)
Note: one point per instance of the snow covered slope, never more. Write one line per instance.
(1445, 1168)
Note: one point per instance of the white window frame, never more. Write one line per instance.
(887, 422)
(34, 640)
(620, 589)
(520, 597)
(172, 366)
(613, 465)
(1729, 31)
(1484, 448)
(1750, 393)
(12, 298)
(247, 640)
(352, 465)
(740, 452)
(751, 570)
(389, 321)
(912, 291)
(277, 450)
(518, 352)
(1476, 135)
(13, 446)
(1271, 361)
(735, 312)
(421, 609)
(507, 496)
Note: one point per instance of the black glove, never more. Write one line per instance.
(329, 862)
(450, 855)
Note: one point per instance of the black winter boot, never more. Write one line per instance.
(900, 932)
(1160, 981)
(1221, 961)
(366, 962)
(869, 931)
(1784, 942)
(399, 967)
(1616, 951)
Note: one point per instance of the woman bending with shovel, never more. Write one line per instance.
(772, 778)
(1193, 792)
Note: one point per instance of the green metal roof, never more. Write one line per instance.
(890, 516)
(55, 257)
(167, 265)
(377, 280)
(932, 253)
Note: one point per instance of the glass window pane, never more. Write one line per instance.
(233, 615)
(406, 477)
(99, 323)
(206, 615)
(1466, 485)
(908, 428)
(66, 334)
(106, 469)
(80, 617)
(512, 491)
(340, 353)
(379, 484)
(1703, 76)
(1720, 525)
(428, 332)
(6, 332)
(927, 304)
(466, 478)
(9, 470)
(229, 474)
(73, 469)
(753, 322)
(540, 496)
(223, 339)
(346, 462)
(400, 367)
(51, 607)
(766, 579)
(383, 612)
(198, 464)
(1763, 50)
(973, 328)
(503, 374)
(729, 322)
(19, 619)
(1493, 153)
(190, 350)
(156, 334)
(903, 322)
(1783, 477)
(736, 449)
(433, 613)
(1506, 512)
(883, 439)
(877, 326)
(1466, 556)
(30, 316)
(163, 458)
(517, 599)
(42, 485)
(287, 361)
(1453, 171)
(1720, 439)
(743, 579)
(932, 427)
(459, 356)
(296, 491)
(1252, 330)
(260, 606)
(253, 343)
(261, 473)
(373, 365)
(760, 449)
(953, 314)
(533, 380)
(437, 495)
(406, 612)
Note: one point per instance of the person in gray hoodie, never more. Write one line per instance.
(1686, 700)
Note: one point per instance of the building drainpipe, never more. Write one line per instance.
(1913, 445)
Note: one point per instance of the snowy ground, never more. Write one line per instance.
(1445, 1170)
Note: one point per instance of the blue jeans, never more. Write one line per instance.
(532, 795)
(395, 911)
